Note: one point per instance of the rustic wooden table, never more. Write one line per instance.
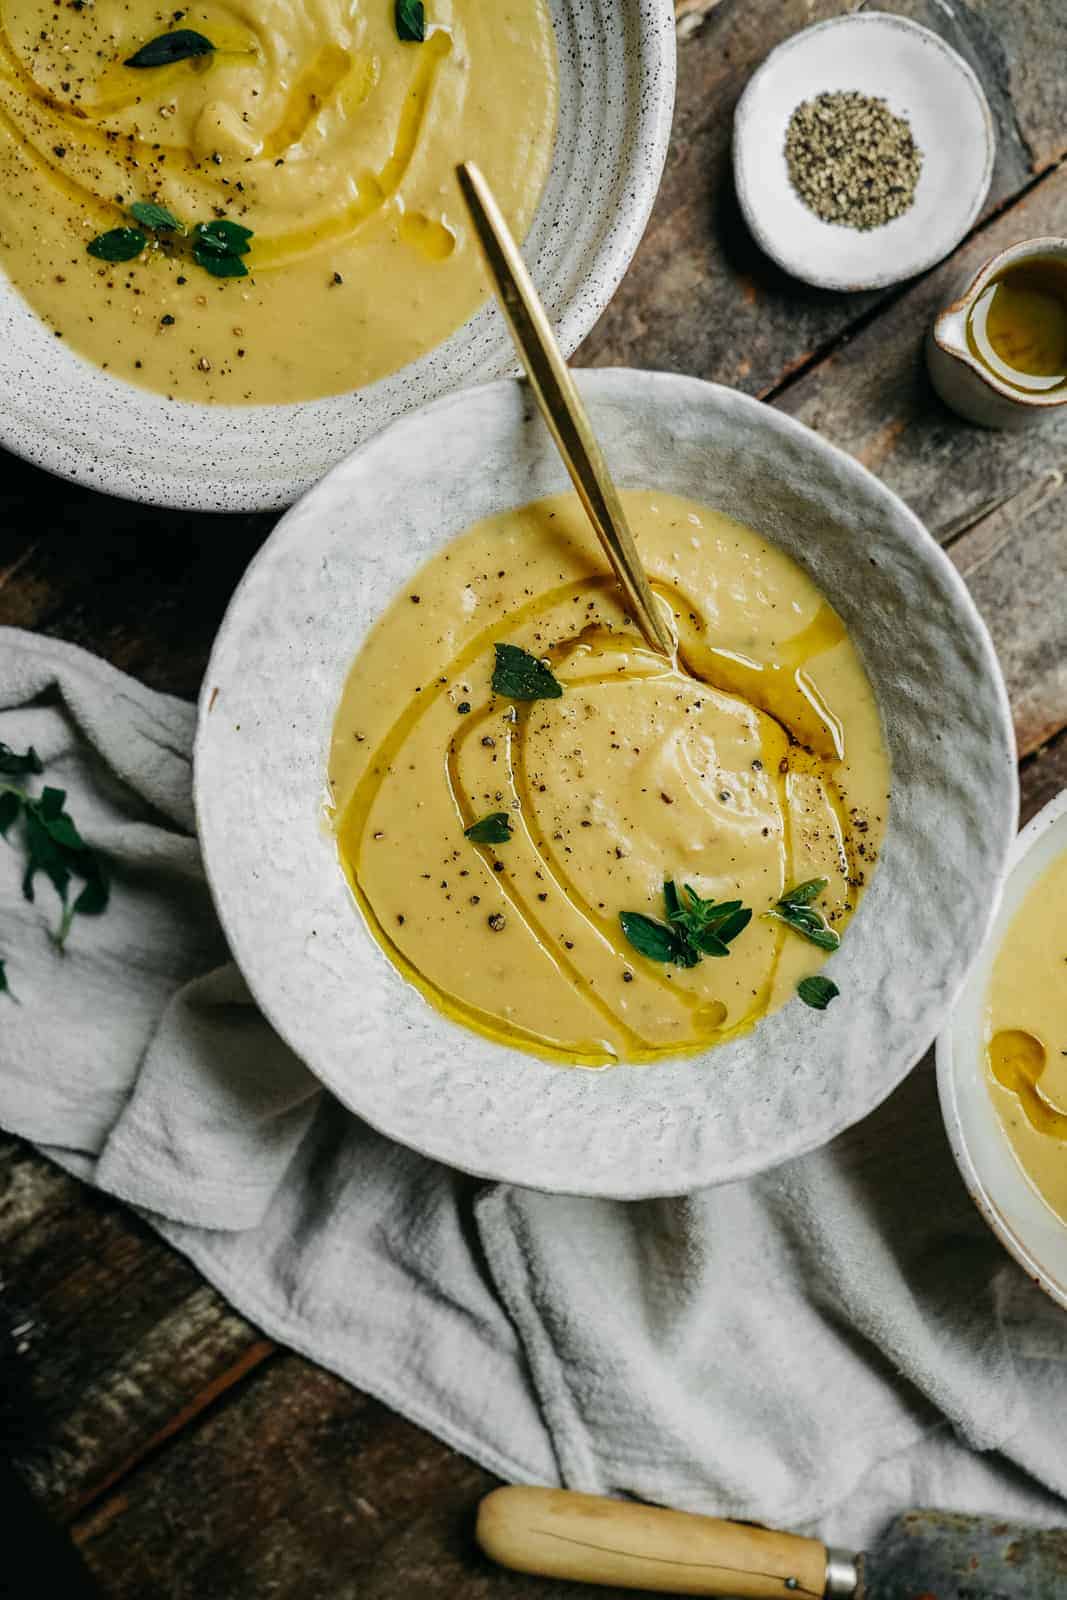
(185, 1453)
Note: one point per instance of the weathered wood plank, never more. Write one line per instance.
(294, 1480)
(299, 1487)
(996, 499)
(873, 398)
(700, 296)
(1021, 590)
(262, 1476)
(114, 1340)
(1042, 777)
(143, 587)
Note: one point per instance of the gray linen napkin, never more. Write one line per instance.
(819, 1347)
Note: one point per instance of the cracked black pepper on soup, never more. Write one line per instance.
(607, 856)
(851, 160)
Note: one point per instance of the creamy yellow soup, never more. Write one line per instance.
(750, 765)
(313, 124)
(1026, 1036)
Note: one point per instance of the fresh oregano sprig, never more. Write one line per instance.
(53, 845)
(694, 927)
(217, 246)
(709, 926)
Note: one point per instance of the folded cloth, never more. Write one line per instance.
(819, 1347)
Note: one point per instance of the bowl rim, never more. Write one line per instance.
(29, 435)
(1035, 829)
(693, 1176)
(774, 245)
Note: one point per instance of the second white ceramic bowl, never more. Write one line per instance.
(1004, 1195)
(271, 694)
(617, 75)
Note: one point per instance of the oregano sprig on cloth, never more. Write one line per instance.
(53, 846)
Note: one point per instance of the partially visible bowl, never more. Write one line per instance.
(1015, 1211)
(617, 75)
(269, 700)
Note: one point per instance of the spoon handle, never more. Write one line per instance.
(561, 405)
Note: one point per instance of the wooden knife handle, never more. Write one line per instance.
(563, 1535)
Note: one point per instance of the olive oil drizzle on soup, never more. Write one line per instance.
(310, 122)
(758, 767)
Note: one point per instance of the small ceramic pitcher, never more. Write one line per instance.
(965, 383)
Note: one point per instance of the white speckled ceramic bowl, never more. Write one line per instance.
(269, 700)
(617, 73)
(924, 80)
(1003, 1193)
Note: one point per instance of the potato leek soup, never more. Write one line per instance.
(577, 848)
(257, 204)
(1026, 1036)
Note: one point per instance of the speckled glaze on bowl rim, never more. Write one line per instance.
(266, 713)
(802, 243)
(63, 413)
(1001, 1191)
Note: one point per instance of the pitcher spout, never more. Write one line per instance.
(950, 328)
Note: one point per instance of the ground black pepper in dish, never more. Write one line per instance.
(851, 160)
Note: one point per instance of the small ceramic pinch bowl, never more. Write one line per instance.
(272, 690)
(922, 79)
(617, 75)
(1003, 1193)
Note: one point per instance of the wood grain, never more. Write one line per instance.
(700, 297)
(114, 1340)
(145, 588)
(290, 1482)
(995, 499)
(300, 1486)
(189, 1456)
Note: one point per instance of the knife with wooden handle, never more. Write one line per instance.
(560, 1534)
(921, 1555)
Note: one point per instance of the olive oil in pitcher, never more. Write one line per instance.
(1017, 327)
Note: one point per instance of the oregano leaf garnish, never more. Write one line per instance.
(117, 244)
(165, 48)
(410, 21)
(493, 829)
(216, 246)
(219, 266)
(219, 246)
(797, 912)
(520, 676)
(656, 940)
(695, 927)
(709, 925)
(223, 238)
(153, 216)
(817, 992)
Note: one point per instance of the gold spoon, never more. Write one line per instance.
(561, 405)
